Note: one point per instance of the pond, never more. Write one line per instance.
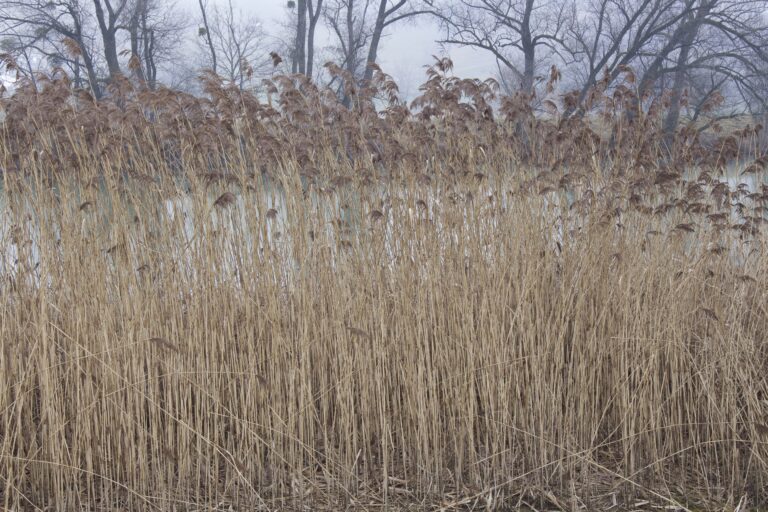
(284, 221)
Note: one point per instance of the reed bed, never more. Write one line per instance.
(237, 304)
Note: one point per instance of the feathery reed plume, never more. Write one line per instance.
(468, 302)
(225, 200)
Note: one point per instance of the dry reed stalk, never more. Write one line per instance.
(452, 313)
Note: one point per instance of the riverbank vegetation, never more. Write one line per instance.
(234, 302)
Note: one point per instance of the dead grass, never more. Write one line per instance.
(438, 310)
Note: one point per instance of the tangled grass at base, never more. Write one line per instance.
(284, 304)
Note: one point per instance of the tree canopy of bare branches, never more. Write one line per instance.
(94, 40)
(693, 56)
(694, 48)
(233, 44)
(512, 30)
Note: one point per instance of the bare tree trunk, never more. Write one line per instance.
(149, 53)
(673, 114)
(352, 45)
(352, 48)
(385, 17)
(314, 17)
(529, 48)
(208, 39)
(76, 78)
(90, 70)
(133, 30)
(378, 29)
(108, 35)
(301, 37)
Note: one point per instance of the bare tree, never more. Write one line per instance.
(359, 26)
(155, 33)
(307, 15)
(300, 60)
(28, 60)
(88, 39)
(613, 34)
(509, 30)
(389, 13)
(348, 21)
(53, 30)
(205, 31)
(315, 9)
(234, 44)
(675, 39)
(108, 14)
(730, 48)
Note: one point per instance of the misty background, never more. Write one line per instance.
(407, 47)
(697, 60)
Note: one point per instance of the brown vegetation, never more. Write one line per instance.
(430, 308)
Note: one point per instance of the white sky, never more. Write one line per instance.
(403, 52)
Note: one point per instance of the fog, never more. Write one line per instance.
(406, 48)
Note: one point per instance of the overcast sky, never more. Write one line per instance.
(403, 52)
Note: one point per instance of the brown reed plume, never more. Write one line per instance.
(237, 302)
